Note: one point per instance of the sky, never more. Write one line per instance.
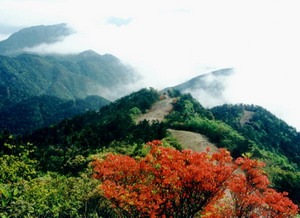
(171, 41)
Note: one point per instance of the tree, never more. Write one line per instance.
(168, 183)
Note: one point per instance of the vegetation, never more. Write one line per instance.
(84, 134)
(277, 143)
(37, 112)
(189, 115)
(66, 77)
(49, 176)
(26, 192)
(169, 183)
(263, 128)
(36, 91)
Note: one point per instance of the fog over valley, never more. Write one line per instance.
(171, 42)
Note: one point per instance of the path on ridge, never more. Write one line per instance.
(194, 141)
(158, 111)
(189, 140)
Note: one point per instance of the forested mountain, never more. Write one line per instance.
(270, 140)
(60, 153)
(28, 81)
(94, 130)
(278, 144)
(41, 111)
(261, 126)
(33, 36)
(68, 77)
(73, 77)
(61, 126)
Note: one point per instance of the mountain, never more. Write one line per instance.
(30, 80)
(113, 126)
(106, 70)
(41, 111)
(57, 160)
(33, 36)
(207, 88)
(25, 80)
(107, 127)
(261, 126)
(277, 143)
(68, 77)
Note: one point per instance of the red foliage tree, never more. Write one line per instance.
(169, 183)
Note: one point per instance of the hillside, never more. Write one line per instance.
(187, 139)
(25, 80)
(41, 111)
(33, 36)
(29, 75)
(57, 161)
(277, 143)
(36, 90)
(158, 111)
(261, 126)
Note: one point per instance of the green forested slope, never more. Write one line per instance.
(29, 75)
(263, 128)
(41, 111)
(94, 130)
(51, 177)
(27, 79)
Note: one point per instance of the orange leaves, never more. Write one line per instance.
(251, 196)
(168, 183)
(278, 205)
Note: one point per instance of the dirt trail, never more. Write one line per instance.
(193, 141)
(158, 111)
(189, 140)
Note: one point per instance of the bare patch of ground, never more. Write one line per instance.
(246, 117)
(189, 140)
(193, 141)
(158, 111)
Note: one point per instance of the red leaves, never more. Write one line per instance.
(173, 183)
(278, 204)
(251, 196)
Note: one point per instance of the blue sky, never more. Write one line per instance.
(170, 41)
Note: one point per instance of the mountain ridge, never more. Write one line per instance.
(33, 36)
(41, 111)
(207, 88)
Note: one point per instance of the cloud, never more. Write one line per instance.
(171, 41)
(3, 36)
(118, 21)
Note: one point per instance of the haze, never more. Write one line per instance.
(171, 41)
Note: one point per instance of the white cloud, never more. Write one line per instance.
(171, 41)
(3, 36)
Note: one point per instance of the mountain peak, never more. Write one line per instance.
(89, 53)
(223, 72)
(34, 36)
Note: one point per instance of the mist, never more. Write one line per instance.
(169, 42)
(3, 36)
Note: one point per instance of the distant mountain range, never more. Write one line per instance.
(26, 80)
(33, 36)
